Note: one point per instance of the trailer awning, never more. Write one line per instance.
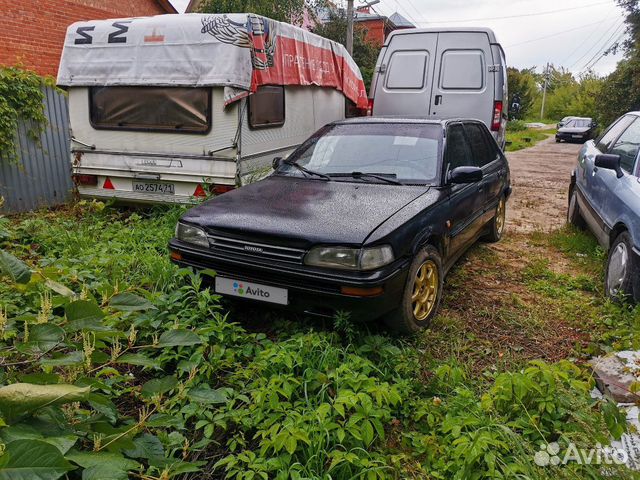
(236, 51)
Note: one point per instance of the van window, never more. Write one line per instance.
(462, 70)
(407, 69)
(482, 154)
(266, 107)
(158, 109)
(458, 154)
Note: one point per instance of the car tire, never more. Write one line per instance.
(622, 278)
(496, 226)
(422, 293)
(557, 140)
(574, 217)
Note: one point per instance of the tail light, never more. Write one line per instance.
(88, 180)
(497, 116)
(370, 108)
(108, 184)
(220, 189)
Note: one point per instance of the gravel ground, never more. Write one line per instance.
(540, 179)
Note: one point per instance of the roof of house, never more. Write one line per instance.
(166, 5)
(400, 21)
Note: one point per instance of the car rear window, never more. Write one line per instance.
(406, 151)
(159, 109)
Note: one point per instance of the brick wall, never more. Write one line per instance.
(33, 31)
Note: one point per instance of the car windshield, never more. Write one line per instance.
(578, 123)
(406, 152)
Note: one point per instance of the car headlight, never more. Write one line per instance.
(350, 258)
(190, 234)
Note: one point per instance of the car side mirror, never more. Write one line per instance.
(276, 162)
(609, 161)
(461, 175)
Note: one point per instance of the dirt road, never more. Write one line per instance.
(540, 179)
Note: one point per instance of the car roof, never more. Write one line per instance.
(397, 120)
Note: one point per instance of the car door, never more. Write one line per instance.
(616, 195)
(466, 201)
(486, 155)
(463, 85)
(404, 80)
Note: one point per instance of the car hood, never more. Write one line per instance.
(302, 212)
(574, 129)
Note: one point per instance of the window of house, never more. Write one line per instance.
(266, 107)
(159, 109)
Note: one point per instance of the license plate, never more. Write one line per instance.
(576, 136)
(154, 187)
(252, 291)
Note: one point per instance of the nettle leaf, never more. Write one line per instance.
(103, 405)
(27, 432)
(146, 446)
(22, 398)
(159, 386)
(138, 359)
(83, 310)
(59, 288)
(14, 268)
(103, 465)
(204, 394)
(45, 336)
(32, 460)
(91, 324)
(70, 359)
(129, 302)
(39, 378)
(179, 337)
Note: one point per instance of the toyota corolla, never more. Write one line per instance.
(366, 217)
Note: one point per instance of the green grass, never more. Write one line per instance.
(183, 388)
(526, 138)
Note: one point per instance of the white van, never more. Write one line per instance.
(175, 107)
(442, 73)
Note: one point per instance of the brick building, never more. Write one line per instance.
(33, 31)
(377, 27)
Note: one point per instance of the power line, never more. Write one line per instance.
(580, 45)
(535, 14)
(604, 53)
(417, 11)
(617, 26)
(604, 47)
(553, 35)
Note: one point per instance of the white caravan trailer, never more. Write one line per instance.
(443, 73)
(172, 107)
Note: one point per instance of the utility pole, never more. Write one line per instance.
(544, 90)
(350, 27)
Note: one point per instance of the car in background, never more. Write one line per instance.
(366, 217)
(604, 196)
(562, 122)
(577, 129)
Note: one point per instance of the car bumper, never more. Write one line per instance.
(311, 291)
(573, 137)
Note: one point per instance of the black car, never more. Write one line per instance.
(576, 129)
(366, 217)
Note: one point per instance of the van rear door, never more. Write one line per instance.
(464, 78)
(405, 76)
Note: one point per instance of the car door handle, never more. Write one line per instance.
(438, 99)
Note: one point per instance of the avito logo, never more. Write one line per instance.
(240, 289)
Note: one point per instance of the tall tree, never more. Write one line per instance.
(522, 90)
(365, 53)
(290, 11)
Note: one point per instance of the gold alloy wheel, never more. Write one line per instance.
(500, 217)
(425, 290)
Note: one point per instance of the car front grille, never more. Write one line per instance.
(220, 244)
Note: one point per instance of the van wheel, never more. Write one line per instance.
(422, 294)
(574, 217)
(622, 280)
(496, 226)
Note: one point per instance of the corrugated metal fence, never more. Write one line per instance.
(42, 176)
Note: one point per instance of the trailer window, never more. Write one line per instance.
(158, 109)
(266, 107)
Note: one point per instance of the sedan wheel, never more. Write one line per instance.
(496, 226)
(574, 217)
(422, 293)
(621, 281)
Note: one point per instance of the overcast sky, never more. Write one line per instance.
(573, 34)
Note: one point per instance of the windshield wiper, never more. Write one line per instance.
(306, 170)
(385, 177)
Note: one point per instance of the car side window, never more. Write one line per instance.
(458, 154)
(480, 151)
(605, 141)
(627, 146)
